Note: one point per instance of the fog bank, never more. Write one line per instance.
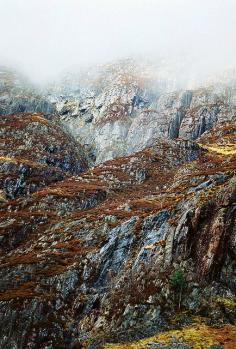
(46, 37)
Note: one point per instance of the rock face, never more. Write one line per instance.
(95, 257)
(117, 109)
(95, 251)
(126, 107)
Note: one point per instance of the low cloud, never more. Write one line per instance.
(46, 37)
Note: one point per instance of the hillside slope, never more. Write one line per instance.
(94, 258)
(35, 152)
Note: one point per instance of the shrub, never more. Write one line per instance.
(178, 283)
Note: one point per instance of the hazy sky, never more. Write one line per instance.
(45, 37)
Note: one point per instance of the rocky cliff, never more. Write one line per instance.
(140, 248)
(124, 107)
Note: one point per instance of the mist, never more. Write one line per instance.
(44, 38)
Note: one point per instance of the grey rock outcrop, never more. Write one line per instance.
(119, 112)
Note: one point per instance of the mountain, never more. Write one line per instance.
(117, 214)
(125, 106)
